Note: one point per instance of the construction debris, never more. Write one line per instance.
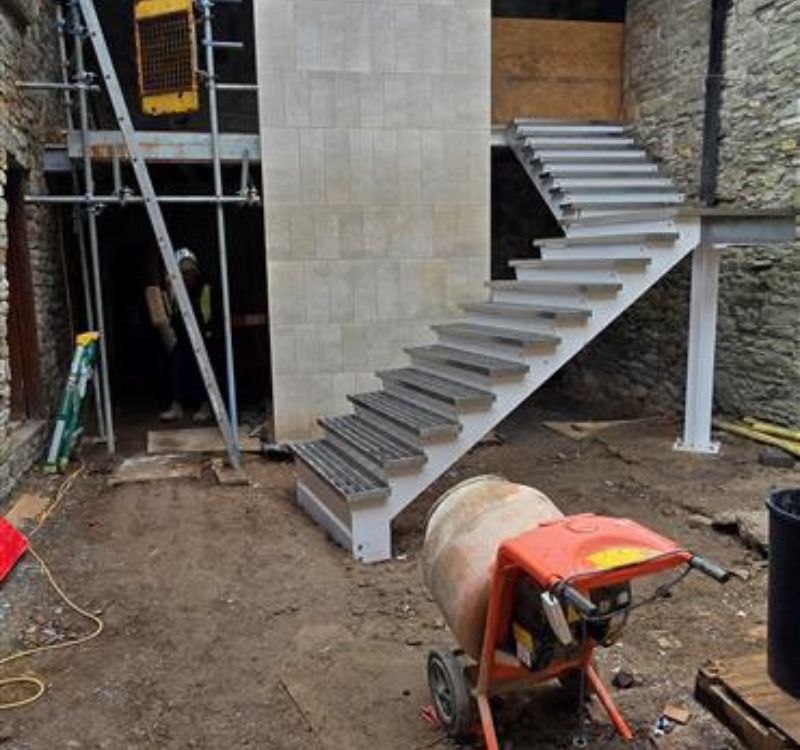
(748, 431)
(583, 430)
(27, 509)
(228, 475)
(623, 679)
(751, 526)
(677, 714)
(154, 468)
(776, 458)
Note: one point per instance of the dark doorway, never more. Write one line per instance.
(26, 386)
(519, 214)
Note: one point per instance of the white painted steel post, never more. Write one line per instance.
(702, 347)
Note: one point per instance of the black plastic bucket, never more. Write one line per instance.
(783, 639)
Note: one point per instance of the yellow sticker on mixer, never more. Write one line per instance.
(618, 557)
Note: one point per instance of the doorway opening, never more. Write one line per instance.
(23, 345)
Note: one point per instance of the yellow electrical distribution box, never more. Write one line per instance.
(166, 54)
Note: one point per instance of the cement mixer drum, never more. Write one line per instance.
(464, 531)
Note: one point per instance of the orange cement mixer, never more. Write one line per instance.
(529, 594)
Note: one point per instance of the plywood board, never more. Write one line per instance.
(197, 440)
(741, 695)
(155, 468)
(556, 69)
(27, 509)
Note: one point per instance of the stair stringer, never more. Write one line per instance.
(367, 543)
(534, 171)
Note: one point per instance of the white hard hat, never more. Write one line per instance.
(185, 255)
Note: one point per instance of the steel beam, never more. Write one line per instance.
(719, 228)
(167, 147)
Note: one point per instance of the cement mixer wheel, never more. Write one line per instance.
(450, 693)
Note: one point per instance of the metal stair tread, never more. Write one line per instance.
(512, 336)
(635, 238)
(578, 140)
(383, 449)
(525, 126)
(511, 309)
(555, 155)
(557, 171)
(437, 387)
(415, 419)
(594, 264)
(648, 181)
(629, 216)
(481, 364)
(556, 287)
(341, 472)
(610, 202)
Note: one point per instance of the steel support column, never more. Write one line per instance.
(702, 349)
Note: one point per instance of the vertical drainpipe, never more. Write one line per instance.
(713, 102)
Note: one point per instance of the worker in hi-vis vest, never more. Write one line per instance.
(185, 383)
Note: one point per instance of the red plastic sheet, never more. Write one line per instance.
(12, 547)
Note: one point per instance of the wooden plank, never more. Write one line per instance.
(556, 69)
(582, 430)
(156, 468)
(197, 440)
(741, 695)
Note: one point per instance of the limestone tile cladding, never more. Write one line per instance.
(375, 138)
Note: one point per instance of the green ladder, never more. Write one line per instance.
(69, 422)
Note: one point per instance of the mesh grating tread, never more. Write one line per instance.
(416, 420)
(510, 336)
(480, 364)
(599, 287)
(607, 239)
(379, 446)
(440, 388)
(512, 310)
(340, 471)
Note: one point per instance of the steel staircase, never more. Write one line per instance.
(623, 231)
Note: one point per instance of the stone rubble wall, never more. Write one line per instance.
(29, 120)
(642, 358)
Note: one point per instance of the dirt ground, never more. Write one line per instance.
(233, 622)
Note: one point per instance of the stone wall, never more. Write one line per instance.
(28, 120)
(375, 133)
(642, 357)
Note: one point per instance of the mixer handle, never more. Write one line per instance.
(711, 569)
(576, 599)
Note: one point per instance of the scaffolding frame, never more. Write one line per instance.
(79, 23)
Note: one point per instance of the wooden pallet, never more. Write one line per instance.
(741, 695)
